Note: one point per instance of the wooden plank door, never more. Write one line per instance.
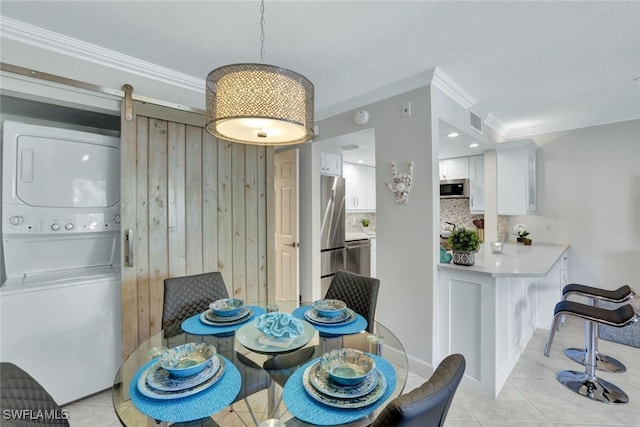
(190, 204)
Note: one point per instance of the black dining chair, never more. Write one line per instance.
(20, 392)
(360, 293)
(427, 405)
(187, 296)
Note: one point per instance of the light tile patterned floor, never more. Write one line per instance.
(531, 397)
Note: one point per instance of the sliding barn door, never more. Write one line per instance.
(190, 204)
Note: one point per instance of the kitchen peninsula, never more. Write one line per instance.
(489, 311)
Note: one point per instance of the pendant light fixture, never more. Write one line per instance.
(259, 104)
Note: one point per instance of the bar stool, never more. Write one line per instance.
(587, 383)
(622, 294)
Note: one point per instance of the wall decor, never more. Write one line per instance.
(401, 185)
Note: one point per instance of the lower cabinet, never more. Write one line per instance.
(373, 257)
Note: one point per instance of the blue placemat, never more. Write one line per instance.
(199, 405)
(194, 326)
(358, 325)
(309, 410)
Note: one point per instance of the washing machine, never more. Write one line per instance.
(60, 303)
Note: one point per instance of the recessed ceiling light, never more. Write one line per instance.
(452, 134)
(360, 161)
(474, 145)
(349, 147)
(636, 79)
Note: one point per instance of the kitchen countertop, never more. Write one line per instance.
(515, 260)
(359, 236)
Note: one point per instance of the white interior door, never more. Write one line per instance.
(286, 233)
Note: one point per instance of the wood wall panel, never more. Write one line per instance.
(199, 204)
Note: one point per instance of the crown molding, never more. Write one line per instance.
(392, 89)
(63, 45)
(597, 121)
(449, 87)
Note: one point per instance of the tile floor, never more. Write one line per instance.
(531, 397)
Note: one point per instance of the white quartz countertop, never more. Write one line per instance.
(359, 236)
(515, 260)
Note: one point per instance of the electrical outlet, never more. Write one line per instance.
(406, 109)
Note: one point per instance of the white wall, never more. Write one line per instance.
(404, 232)
(589, 197)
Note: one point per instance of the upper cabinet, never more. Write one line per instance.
(330, 164)
(360, 187)
(476, 184)
(516, 176)
(457, 168)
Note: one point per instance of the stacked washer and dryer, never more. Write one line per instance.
(60, 302)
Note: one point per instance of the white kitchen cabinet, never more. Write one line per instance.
(549, 291)
(476, 184)
(373, 257)
(457, 168)
(330, 164)
(360, 187)
(516, 176)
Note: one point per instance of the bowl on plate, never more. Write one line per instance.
(187, 359)
(329, 307)
(226, 307)
(347, 366)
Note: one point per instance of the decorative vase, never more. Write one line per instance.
(527, 242)
(464, 258)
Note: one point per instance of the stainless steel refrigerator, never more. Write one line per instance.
(332, 228)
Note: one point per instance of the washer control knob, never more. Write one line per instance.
(16, 220)
(68, 226)
(117, 219)
(55, 226)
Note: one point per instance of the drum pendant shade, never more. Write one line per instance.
(259, 104)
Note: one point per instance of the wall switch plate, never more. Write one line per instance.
(406, 109)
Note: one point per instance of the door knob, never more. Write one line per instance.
(292, 244)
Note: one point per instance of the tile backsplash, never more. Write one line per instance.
(457, 211)
(354, 224)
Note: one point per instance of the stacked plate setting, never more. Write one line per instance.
(330, 312)
(182, 371)
(345, 378)
(226, 312)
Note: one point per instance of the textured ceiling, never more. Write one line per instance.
(534, 66)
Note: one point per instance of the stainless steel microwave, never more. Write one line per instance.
(454, 189)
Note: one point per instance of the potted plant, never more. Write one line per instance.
(520, 230)
(464, 244)
(365, 223)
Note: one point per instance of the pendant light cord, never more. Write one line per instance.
(262, 31)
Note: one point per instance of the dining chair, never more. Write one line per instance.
(187, 296)
(20, 392)
(360, 293)
(427, 405)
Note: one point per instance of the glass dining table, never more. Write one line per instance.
(263, 385)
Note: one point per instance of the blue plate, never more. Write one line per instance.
(208, 318)
(351, 402)
(160, 379)
(147, 390)
(345, 317)
(319, 378)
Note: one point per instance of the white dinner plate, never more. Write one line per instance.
(345, 317)
(319, 378)
(254, 339)
(205, 318)
(160, 379)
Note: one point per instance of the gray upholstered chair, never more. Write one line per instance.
(189, 295)
(427, 405)
(359, 292)
(21, 392)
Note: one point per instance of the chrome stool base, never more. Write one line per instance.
(603, 362)
(592, 388)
